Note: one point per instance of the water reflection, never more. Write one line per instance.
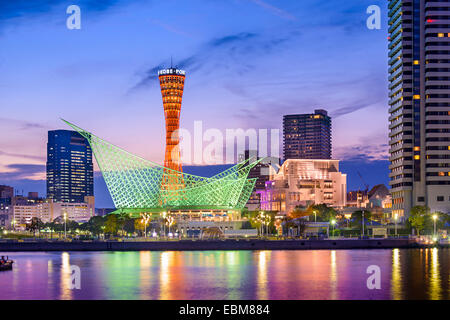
(333, 276)
(233, 278)
(66, 273)
(262, 291)
(322, 274)
(165, 275)
(435, 277)
(145, 261)
(396, 280)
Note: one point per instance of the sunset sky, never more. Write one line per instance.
(248, 62)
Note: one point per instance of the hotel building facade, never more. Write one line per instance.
(304, 182)
(307, 136)
(419, 105)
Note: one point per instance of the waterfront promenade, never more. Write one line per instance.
(187, 245)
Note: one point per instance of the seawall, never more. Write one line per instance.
(187, 245)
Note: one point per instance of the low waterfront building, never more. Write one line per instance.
(48, 211)
(305, 182)
(357, 199)
(5, 218)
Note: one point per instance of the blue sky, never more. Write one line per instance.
(248, 62)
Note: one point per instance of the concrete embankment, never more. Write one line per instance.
(186, 245)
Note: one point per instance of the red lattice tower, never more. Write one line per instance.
(172, 85)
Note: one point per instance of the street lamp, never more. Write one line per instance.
(145, 219)
(333, 222)
(65, 225)
(363, 223)
(395, 219)
(267, 222)
(435, 216)
(315, 215)
(170, 221)
(164, 223)
(261, 221)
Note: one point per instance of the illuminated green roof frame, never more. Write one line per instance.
(137, 184)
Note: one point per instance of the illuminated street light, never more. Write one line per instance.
(395, 219)
(145, 220)
(164, 222)
(363, 224)
(170, 222)
(315, 215)
(65, 225)
(435, 216)
(333, 222)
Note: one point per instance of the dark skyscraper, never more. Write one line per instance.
(307, 136)
(70, 174)
(419, 92)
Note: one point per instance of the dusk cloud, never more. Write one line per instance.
(224, 53)
(22, 171)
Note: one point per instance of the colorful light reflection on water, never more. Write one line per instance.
(320, 274)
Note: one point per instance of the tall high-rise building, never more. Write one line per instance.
(307, 136)
(172, 86)
(6, 192)
(70, 173)
(419, 105)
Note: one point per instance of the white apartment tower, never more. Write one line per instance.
(419, 105)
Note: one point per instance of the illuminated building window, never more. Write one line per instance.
(440, 35)
(416, 157)
(441, 174)
(416, 148)
(416, 62)
(416, 96)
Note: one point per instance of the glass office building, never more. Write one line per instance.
(70, 173)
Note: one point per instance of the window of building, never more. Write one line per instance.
(420, 199)
(440, 198)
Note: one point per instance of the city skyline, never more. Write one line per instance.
(238, 74)
(238, 152)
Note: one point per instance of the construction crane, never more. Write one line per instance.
(364, 183)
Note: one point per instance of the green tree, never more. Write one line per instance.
(323, 212)
(129, 225)
(95, 224)
(357, 217)
(35, 224)
(112, 224)
(122, 220)
(72, 225)
(417, 217)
